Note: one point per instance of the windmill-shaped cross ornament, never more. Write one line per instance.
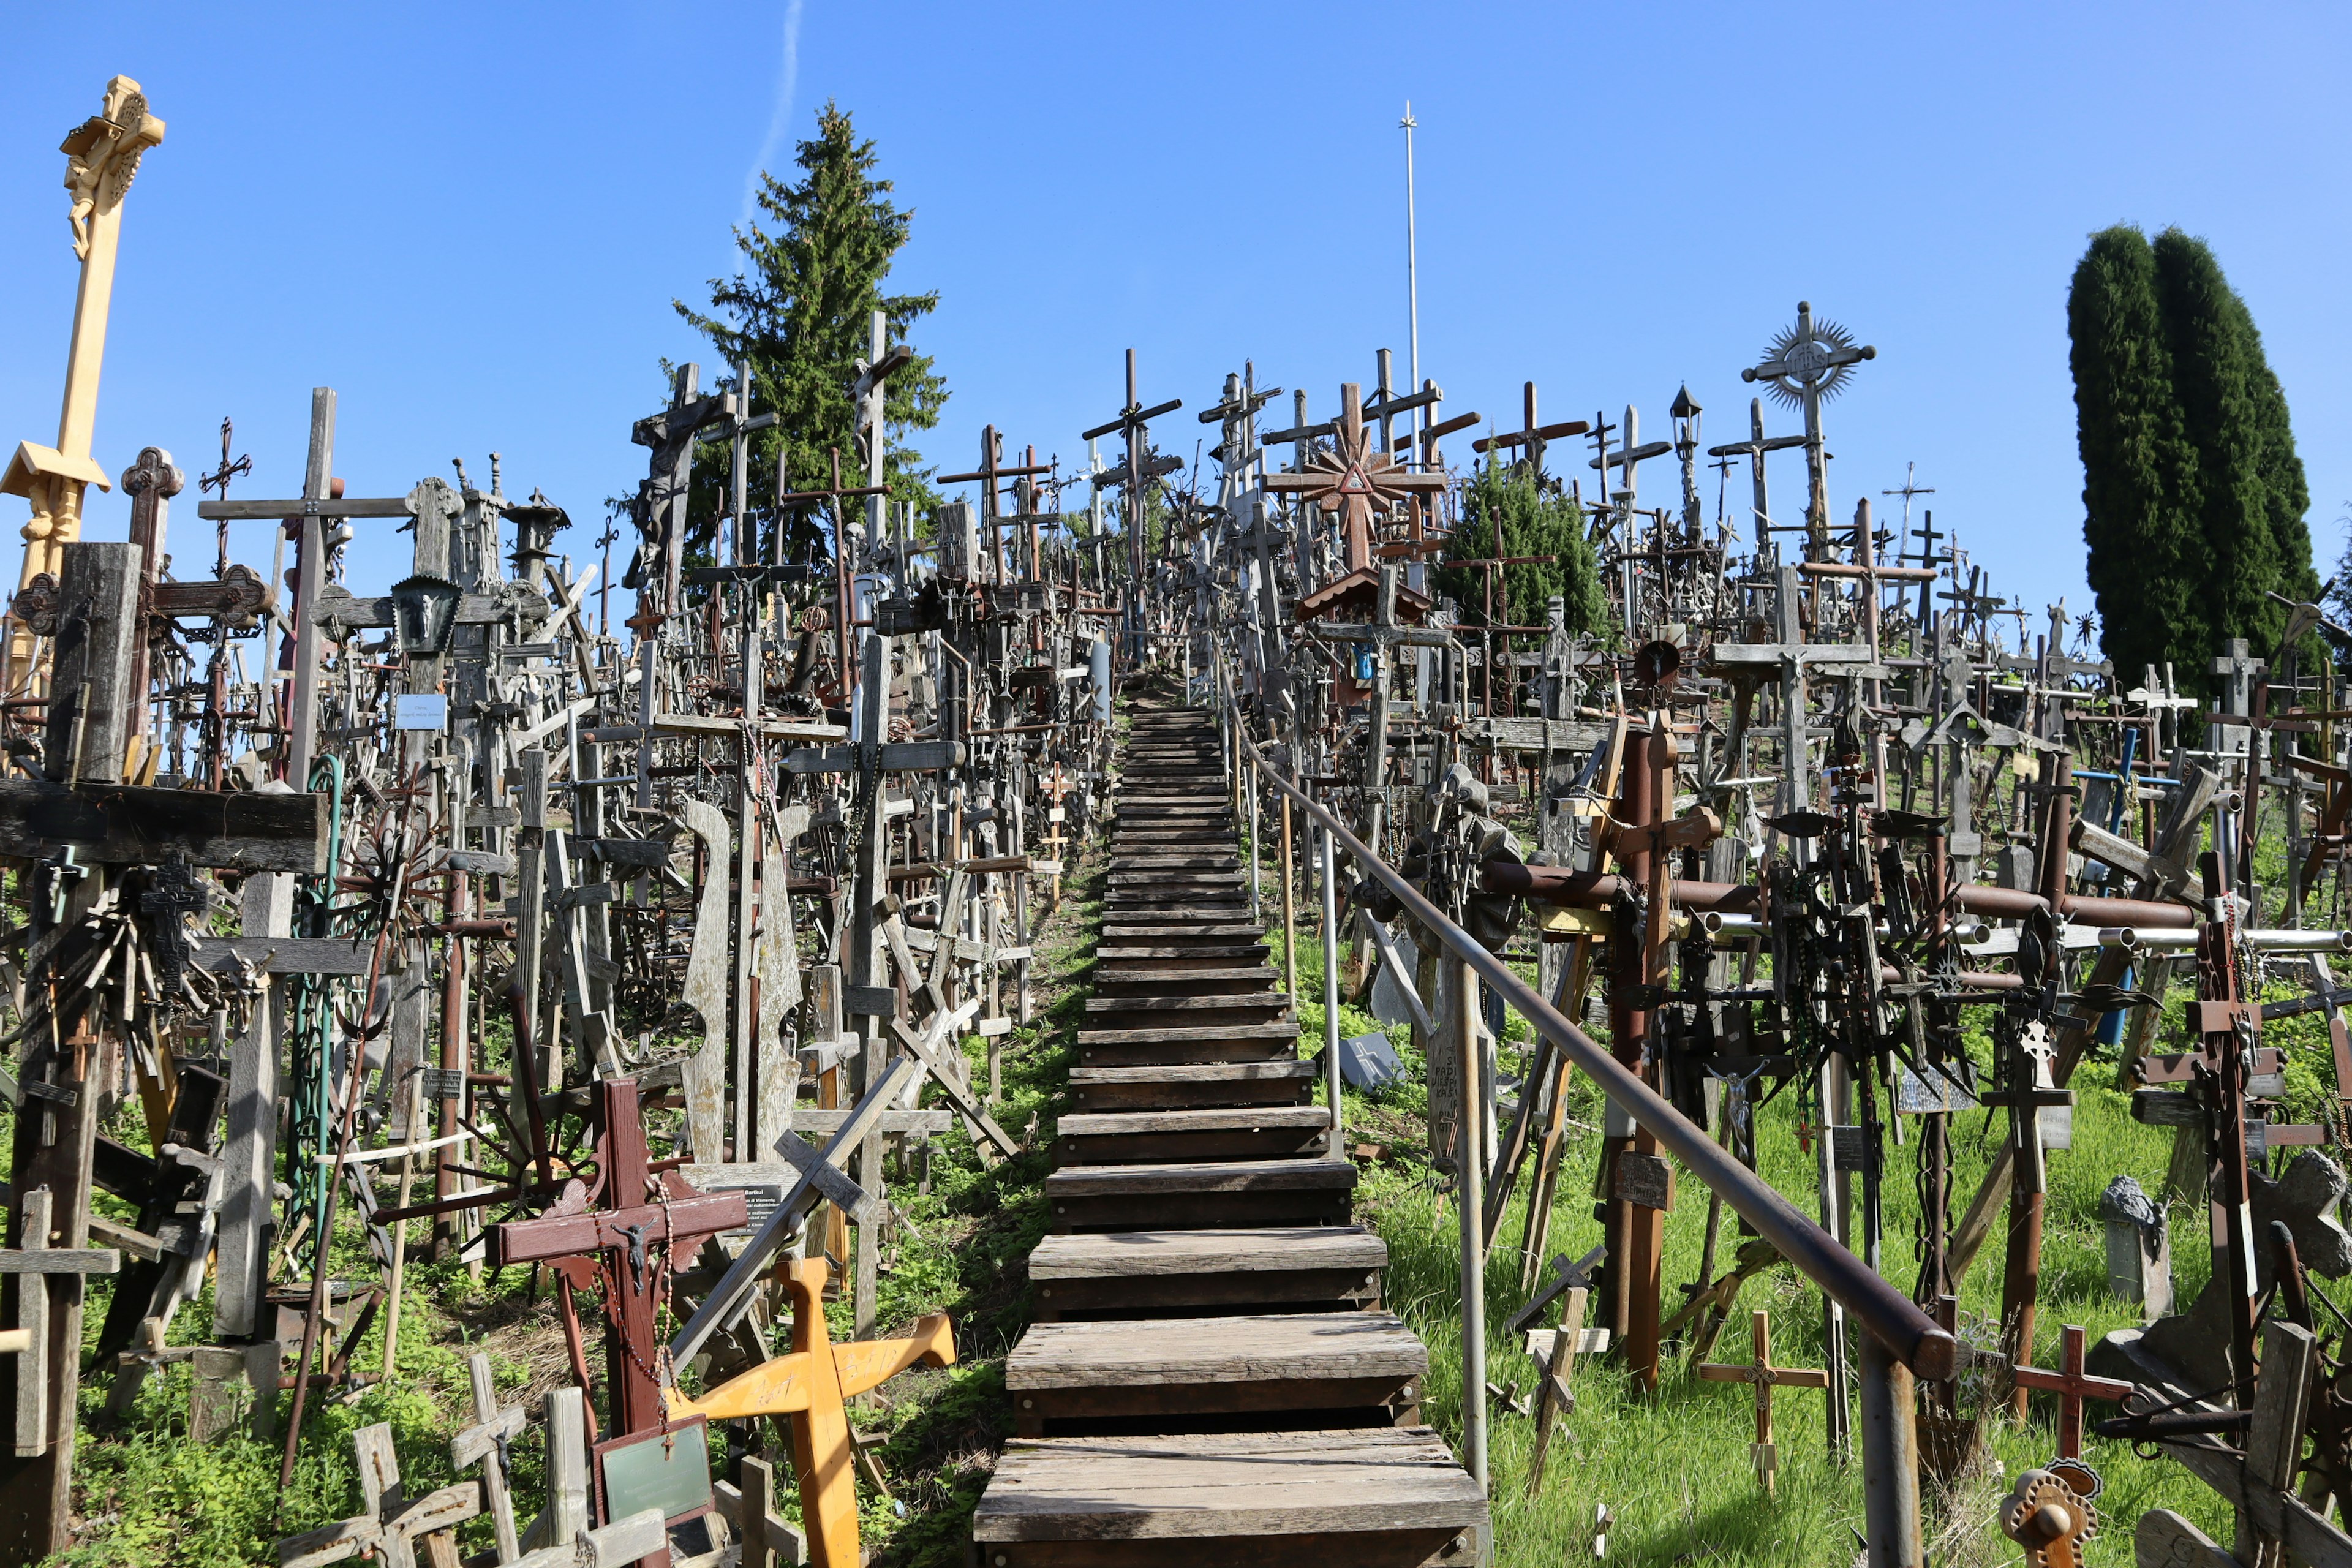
(1354, 480)
(1803, 366)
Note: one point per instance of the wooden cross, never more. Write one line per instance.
(1764, 1377)
(643, 1213)
(102, 155)
(2072, 1385)
(1135, 476)
(1529, 436)
(1552, 1391)
(1806, 364)
(485, 1441)
(387, 1523)
(809, 1386)
(1354, 481)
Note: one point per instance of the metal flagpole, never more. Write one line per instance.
(1411, 276)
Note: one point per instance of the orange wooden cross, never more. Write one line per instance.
(809, 1387)
(2072, 1385)
(1764, 1375)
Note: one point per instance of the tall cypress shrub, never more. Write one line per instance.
(2146, 555)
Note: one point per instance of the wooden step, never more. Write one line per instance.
(1374, 1497)
(1152, 1272)
(1160, 934)
(1138, 1137)
(1197, 1370)
(1174, 1085)
(1198, 981)
(1126, 1047)
(1130, 957)
(1143, 1012)
(1201, 1194)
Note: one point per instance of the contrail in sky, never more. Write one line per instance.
(787, 80)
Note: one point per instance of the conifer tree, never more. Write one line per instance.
(2139, 469)
(1534, 519)
(800, 310)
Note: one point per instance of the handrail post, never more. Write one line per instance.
(1249, 782)
(1290, 910)
(1469, 1187)
(1890, 1456)
(1331, 1079)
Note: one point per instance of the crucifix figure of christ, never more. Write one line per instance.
(1764, 1377)
(809, 1387)
(102, 156)
(628, 1245)
(1135, 476)
(1354, 481)
(1807, 364)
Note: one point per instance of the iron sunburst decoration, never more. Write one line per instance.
(1815, 352)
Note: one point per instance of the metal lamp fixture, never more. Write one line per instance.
(425, 614)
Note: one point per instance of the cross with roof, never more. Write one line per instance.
(1354, 481)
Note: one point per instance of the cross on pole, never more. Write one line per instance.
(1531, 436)
(102, 157)
(218, 479)
(1753, 449)
(1627, 459)
(1807, 364)
(1135, 476)
(2072, 1385)
(1354, 481)
(1764, 1377)
(616, 1245)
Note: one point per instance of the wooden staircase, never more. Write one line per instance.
(1211, 1379)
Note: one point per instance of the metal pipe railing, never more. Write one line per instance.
(1912, 1337)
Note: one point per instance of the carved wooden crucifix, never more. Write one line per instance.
(627, 1247)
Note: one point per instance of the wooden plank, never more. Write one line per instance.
(1250, 1485)
(1138, 1123)
(1144, 1254)
(248, 830)
(1257, 1348)
(1204, 1176)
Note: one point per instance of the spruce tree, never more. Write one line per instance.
(1535, 519)
(2146, 559)
(801, 311)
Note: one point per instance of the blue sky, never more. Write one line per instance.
(472, 221)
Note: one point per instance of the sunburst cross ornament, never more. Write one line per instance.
(1803, 366)
(1353, 480)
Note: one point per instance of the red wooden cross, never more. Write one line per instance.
(2072, 1385)
(648, 1220)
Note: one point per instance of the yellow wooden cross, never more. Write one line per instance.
(809, 1387)
(1764, 1375)
(102, 155)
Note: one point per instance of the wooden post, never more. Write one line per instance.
(1469, 1177)
(1290, 911)
(89, 722)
